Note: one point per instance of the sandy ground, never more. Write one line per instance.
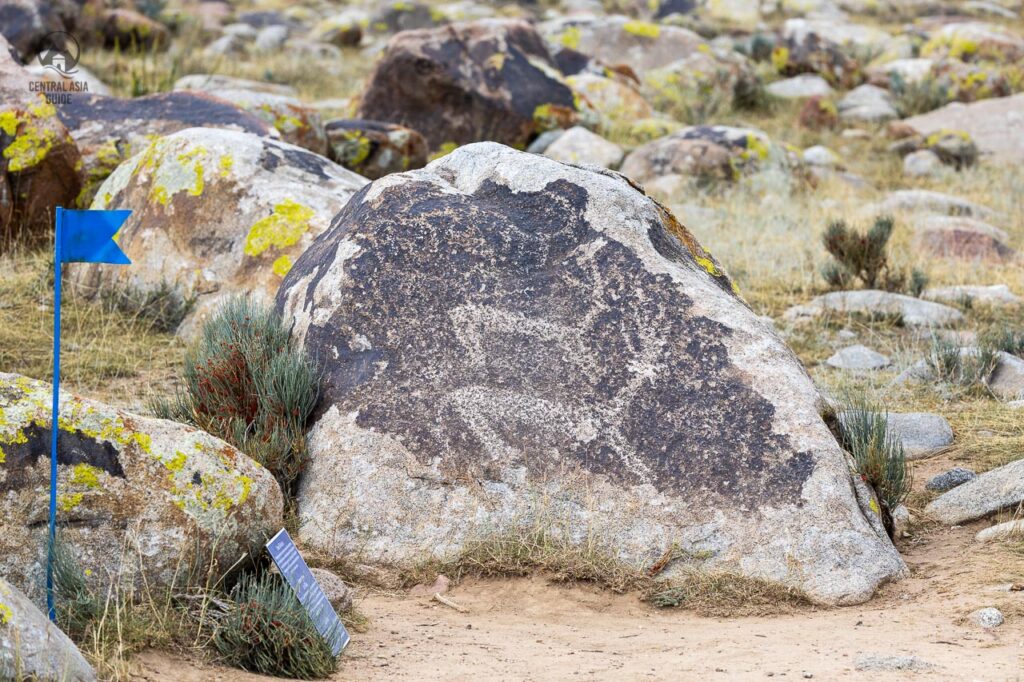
(529, 629)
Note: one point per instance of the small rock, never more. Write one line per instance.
(995, 295)
(932, 202)
(857, 358)
(337, 592)
(988, 618)
(890, 663)
(1007, 379)
(799, 87)
(913, 311)
(579, 145)
(1001, 531)
(901, 519)
(820, 155)
(990, 492)
(921, 433)
(270, 38)
(923, 163)
(960, 237)
(544, 140)
(439, 586)
(950, 479)
(867, 103)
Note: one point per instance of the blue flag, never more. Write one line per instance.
(88, 236)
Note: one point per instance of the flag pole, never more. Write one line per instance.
(54, 425)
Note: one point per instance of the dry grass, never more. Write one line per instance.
(106, 354)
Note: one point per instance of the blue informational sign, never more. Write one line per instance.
(294, 569)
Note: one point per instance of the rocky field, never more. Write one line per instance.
(679, 339)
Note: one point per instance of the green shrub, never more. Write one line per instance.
(76, 605)
(266, 630)
(245, 382)
(861, 256)
(965, 370)
(918, 282)
(877, 453)
(920, 97)
(1007, 340)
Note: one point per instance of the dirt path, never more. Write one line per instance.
(529, 629)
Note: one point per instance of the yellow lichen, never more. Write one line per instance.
(226, 163)
(282, 228)
(87, 475)
(570, 37)
(6, 614)
(780, 58)
(68, 501)
(643, 29)
(445, 149)
(281, 267)
(177, 463)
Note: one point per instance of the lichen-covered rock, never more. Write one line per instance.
(719, 152)
(481, 80)
(975, 41)
(38, 159)
(373, 148)
(217, 213)
(403, 15)
(109, 130)
(507, 339)
(613, 98)
(297, 123)
(807, 52)
(344, 29)
(620, 40)
(137, 497)
(26, 23)
(690, 79)
(126, 29)
(33, 648)
(995, 125)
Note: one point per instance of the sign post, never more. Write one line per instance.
(294, 569)
(79, 237)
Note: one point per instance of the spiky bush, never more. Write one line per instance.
(246, 383)
(961, 368)
(861, 256)
(877, 453)
(266, 630)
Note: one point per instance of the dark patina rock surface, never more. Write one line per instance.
(481, 80)
(373, 149)
(509, 340)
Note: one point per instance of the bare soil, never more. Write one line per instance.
(531, 629)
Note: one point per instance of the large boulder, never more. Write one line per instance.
(913, 312)
(33, 648)
(138, 498)
(719, 152)
(510, 340)
(109, 130)
(38, 159)
(297, 123)
(216, 213)
(620, 40)
(373, 149)
(996, 125)
(481, 80)
(26, 23)
(961, 237)
(1001, 488)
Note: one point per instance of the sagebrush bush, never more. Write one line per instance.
(162, 308)
(861, 256)
(266, 630)
(76, 606)
(877, 453)
(966, 369)
(246, 383)
(1006, 339)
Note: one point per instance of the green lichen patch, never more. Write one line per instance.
(284, 227)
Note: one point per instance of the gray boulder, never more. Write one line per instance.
(927, 201)
(950, 479)
(1007, 379)
(996, 125)
(579, 145)
(913, 311)
(857, 357)
(509, 340)
(994, 295)
(800, 87)
(1001, 531)
(988, 618)
(922, 163)
(140, 499)
(867, 104)
(991, 491)
(920, 433)
(33, 648)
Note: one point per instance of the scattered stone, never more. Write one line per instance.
(140, 498)
(857, 357)
(620, 40)
(880, 663)
(614, 99)
(1001, 531)
(337, 592)
(932, 202)
(270, 39)
(38, 159)
(868, 104)
(975, 40)
(344, 29)
(922, 163)
(33, 648)
(260, 203)
(996, 125)
(989, 492)
(901, 520)
(544, 140)
(483, 80)
(126, 29)
(1007, 379)
(800, 87)
(961, 237)
(296, 122)
(214, 83)
(703, 151)
(25, 24)
(808, 52)
(439, 586)
(492, 354)
(402, 15)
(988, 618)
(913, 311)
(840, 32)
(821, 156)
(994, 295)
(374, 149)
(579, 145)
(950, 479)
(82, 75)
